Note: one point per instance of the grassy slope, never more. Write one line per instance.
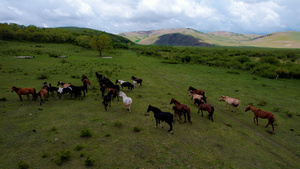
(232, 141)
(222, 38)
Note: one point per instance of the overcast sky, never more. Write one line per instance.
(117, 16)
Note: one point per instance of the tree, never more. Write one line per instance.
(101, 43)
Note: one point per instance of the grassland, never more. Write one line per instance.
(40, 136)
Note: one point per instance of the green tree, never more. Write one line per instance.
(101, 43)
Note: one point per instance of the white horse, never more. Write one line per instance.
(120, 81)
(231, 101)
(127, 101)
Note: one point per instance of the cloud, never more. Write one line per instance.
(115, 16)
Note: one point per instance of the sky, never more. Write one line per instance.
(119, 16)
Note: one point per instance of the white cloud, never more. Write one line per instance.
(241, 16)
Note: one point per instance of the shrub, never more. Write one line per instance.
(242, 59)
(78, 147)
(63, 156)
(233, 72)
(3, 99)
(117, 124)
(270, 59)
(136, 129)
(42, 77)
(23, 165)
(85, 133)
(262, 102)
(88, 162)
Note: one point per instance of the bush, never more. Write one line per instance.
(63, 156)
(270, 59)
(78, 147)
(136, 129)
(262, 102)
(117, 124)
(23, 165)
(85, 133)
(42, 77)
(88, 162)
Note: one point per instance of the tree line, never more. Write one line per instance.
(86, 38)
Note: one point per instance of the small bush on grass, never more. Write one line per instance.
(85, 133)
(42, 77)
(136, 129)
(262, 102)
(118, 124)
(233, 72)
(89, 162)
(63, 156)
(3, 99)
(23, 165)
(289, 114)
(78, 147)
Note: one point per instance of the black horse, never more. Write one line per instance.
(107, 99)
(127, 84)
(78, 90)
(161, 116)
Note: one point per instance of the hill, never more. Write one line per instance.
(220, 38)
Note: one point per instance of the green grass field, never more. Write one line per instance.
(49, 136)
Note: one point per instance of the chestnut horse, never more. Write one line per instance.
(262, 114)
(206, 107)
(200, 92)
(24, 91)
(43, 93)
(182, 108)
(231, 101)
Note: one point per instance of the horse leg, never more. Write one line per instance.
(171, 127)
(20, 97)
(156, 121)
(27, 96)
(202, 112)
(184, 117)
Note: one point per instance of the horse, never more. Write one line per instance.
(231, 101)
(127, 101)
(206, 107)
(50, 89)
(161, 116)
(114, 92)
(176, 113)
(24, 91)
(200, 92)
(61, 91)
(107, 100)
(63, 84)
(262, 114)
(43, 93)
(197, 97)
(182, 108)
(125, 84)
(86, 82)
(99, 76)
(136, 81)
(78, 89)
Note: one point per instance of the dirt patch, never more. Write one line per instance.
(24, 57)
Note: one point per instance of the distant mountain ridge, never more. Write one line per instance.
(289, 39)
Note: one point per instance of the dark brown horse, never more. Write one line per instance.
(206, 107)
(200, 92)
(262, 114)
(43, 93)
(182, 108)
(86, 83)
(136, 81)
(24, 91)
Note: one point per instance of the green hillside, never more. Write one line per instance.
(221, 38)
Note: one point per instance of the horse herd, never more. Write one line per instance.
(111, 90)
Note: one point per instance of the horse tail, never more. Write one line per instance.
(212, 110)
(34, 93)
(204, 96)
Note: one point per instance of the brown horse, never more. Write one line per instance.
(182, 108)
(24, 91)
(200, 92)
(86, 82)
(114, 92)
(231, 101)
(43, 93)
(206, 107)
(176, 113)
(262, 114)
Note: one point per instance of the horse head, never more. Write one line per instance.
(172, 101)
(248, 108)
(222, 98)
(13, 89)
(149, 108)
(58, 83)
